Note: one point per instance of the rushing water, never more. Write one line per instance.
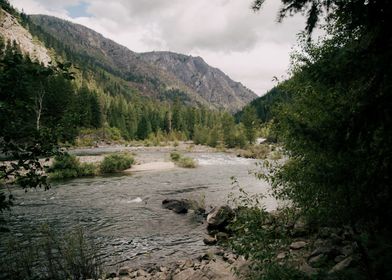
(123, 213)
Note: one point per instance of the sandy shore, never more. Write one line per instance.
(152, 166)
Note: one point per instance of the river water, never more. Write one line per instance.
(123, 213)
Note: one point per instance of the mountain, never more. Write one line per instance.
(210, 83)
(160, 75)
(12, 31)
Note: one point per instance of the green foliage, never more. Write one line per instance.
(259, 236)
(181, 161)
(250, 122)
(68, 166)
(175, 156)
(337, 126)
(116, 163)
(186, 162)
(256, 151)
(265, 105)
(52, 256)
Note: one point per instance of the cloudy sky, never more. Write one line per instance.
(250, 47)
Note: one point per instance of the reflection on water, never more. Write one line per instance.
(123, 213)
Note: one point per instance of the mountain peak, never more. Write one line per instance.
(151, 73)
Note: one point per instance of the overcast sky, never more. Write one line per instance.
(250, 47)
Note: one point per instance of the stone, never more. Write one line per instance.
(188, 263)
(209, 240)
(221, 236)
(281, 256)
(179, 206)
(307, 269)
(123, 271)
(207, 256)
(163, 269)
(298, 245)
(300, 228)
(229, 257)
(345, 263)
(141, 272)
(347, 250)
(339, 258)
(186, 274)
(220, 217)
(111, 274)
(316, 260)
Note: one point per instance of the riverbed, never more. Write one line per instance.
(123, 213)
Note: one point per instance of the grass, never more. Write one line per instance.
(52, 255)
(182, 161)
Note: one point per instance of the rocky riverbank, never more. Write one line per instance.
(216, 263)
(322, 251)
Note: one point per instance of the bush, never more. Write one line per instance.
(64, 166)
(68, 166)
(88, 169)
(116, 163)
(259, 236)
(175, 156)
(186, 162)
(182, 161)
(256, 151)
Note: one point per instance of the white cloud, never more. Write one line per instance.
(250, 47)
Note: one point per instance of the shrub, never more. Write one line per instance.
(88, 169)
(256, 151)
(182, 161)
(259, 236)
(186, 162)
(64, 166)
(116, 163)
(175, 156)
(68, 166)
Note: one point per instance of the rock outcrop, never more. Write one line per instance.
(11, 30)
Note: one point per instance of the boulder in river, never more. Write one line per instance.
(220, 217)
(180, 206)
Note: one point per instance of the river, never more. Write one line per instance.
(123, 213)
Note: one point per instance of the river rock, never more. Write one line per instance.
(300, 228)
(217, 270)
(111, 274)
(124, 271)
(142, 273)
(209, 240)
(342, 265)
(180, 206)
(281, 256)
(298, 245)
(220, 217)
(315, 261)
(221, 236)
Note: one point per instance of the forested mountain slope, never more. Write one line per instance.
(160, 75)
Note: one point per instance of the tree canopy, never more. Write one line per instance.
(337, 127)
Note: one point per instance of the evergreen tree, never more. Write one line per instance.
(249, 120)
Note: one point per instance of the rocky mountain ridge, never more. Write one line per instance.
(152, 73)
(11, 31)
